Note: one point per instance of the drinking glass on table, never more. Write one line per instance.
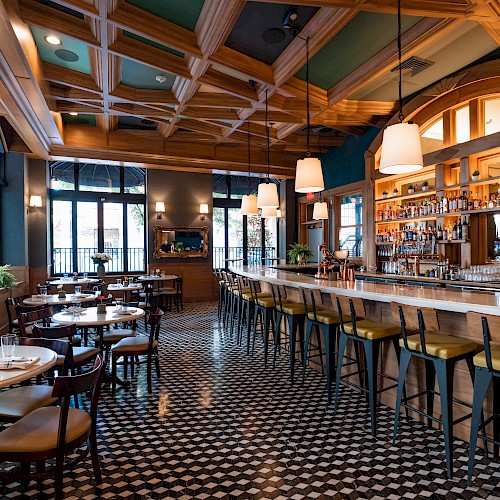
(119, 304)
(9, 342)
(119, 282)
(78, 290)
(65, 277)
(85, 276)
(77, 309)
(43, 290)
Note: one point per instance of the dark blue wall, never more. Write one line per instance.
(346, 164)
(13, 241)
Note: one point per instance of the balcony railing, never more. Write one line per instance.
(62, 260)
(254, 255)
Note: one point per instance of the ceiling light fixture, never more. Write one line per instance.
(267, 194)
(161, 78)
(291, 15)
(309, 174)
(52, 40)
(401, 146)
(249, 201)
(269, 213)
(320, 210)
(73, 113)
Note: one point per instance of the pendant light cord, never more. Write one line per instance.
(267, 133)
(248, 137)
(307, 96)
(401, 116)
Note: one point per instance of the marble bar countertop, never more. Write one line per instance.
(445, 299)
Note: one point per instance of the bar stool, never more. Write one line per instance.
(294, 315)
(487, 369)
(371, 335)
(221, 282)
(240, 287)
(325, 321)
(248, 311)
(264, 312)
(440, 352)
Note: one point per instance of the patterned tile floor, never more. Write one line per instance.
(218, 425)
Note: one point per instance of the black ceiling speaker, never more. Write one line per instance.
(273, 35)
(66, 55)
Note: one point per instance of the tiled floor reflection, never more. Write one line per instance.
(219, 425)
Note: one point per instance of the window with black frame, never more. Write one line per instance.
(351, 225)
(97, 208)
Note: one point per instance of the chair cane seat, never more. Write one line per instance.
(80, 354)
(372, 330)
(19, 402)
(480, 359)
(133, 344)
(441, 345)
(38, 431)
(324, 316)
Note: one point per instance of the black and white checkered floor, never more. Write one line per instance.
(219, 425)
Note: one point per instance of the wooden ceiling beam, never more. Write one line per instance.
(218, 100)
(274, 116)
(229, 84)
(36, 14)
(210, 113)
(413, 40)
(423, 8)
(142, 23)
(142, 96)
(150, 56)
(80, 6)
(63, 93)
(70, 78)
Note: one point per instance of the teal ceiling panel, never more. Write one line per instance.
(71, 54)
(153, 44)
(363, 37)
(141, 76)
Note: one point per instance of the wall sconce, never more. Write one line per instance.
(203, 210)
(35, 202)
(160, 209)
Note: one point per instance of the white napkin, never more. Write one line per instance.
(17, 362)
(128, 312)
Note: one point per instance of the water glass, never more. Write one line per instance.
(85, 276)
(119, 281)
(77, 309)
(78, 290)
(119, 304)
(65, 277)
(9, 342)
(43, 290)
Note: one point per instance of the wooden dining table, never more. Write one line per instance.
(47, 357)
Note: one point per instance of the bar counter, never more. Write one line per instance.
(443, 299)
(451, 305)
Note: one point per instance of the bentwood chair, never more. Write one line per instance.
(130, 349)
(55, 432)
(10, 305)
(487, 371)
(18, 402)
(441, 353)
(28, 316)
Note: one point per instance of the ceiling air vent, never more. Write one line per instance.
(415, 64)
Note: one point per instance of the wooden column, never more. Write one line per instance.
(369, 247)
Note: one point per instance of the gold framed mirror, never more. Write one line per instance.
(180, 242)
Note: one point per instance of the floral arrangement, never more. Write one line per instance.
(100, 258)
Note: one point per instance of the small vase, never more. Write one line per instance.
(101, 272)
(101, 308)
(424, 188)
(62, 294)
(475, 177)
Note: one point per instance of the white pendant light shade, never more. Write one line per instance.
(401, 149)
(320, 210)
(267, 195)
(269, 212)
(249, 205)
(309, 176)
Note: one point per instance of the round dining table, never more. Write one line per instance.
(115, 287)
(158, 279)
(55, 300)
(73, 281)
(47, 357)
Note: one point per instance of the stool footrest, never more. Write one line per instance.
(420, 412)
(461, 419)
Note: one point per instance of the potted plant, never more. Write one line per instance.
(425, 185)
(410, 189)
(100, 259)
(384, 194)
(60, 292)
(7, 279)
(395, 192)
(299, 254)
(179, 247)
(475, 175)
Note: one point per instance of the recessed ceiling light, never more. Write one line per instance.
(161, 78)
(73, 113)
(53, 40)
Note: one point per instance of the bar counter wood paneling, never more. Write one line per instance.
(451, 305)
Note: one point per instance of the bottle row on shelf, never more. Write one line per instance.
(437, 206)
(423, 233)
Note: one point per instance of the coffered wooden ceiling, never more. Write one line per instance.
(218, 58)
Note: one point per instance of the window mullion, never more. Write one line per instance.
(125, 238)
(100, 226)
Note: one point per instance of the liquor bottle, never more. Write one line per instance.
(444, 236)
(445, 204)
(454, 232)
(465, 229)
(470, 203)
(452, 202)
(439, 234)
(477, 202)
(484, 203)
(460, 203)
(491, 203)
(459, 230)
